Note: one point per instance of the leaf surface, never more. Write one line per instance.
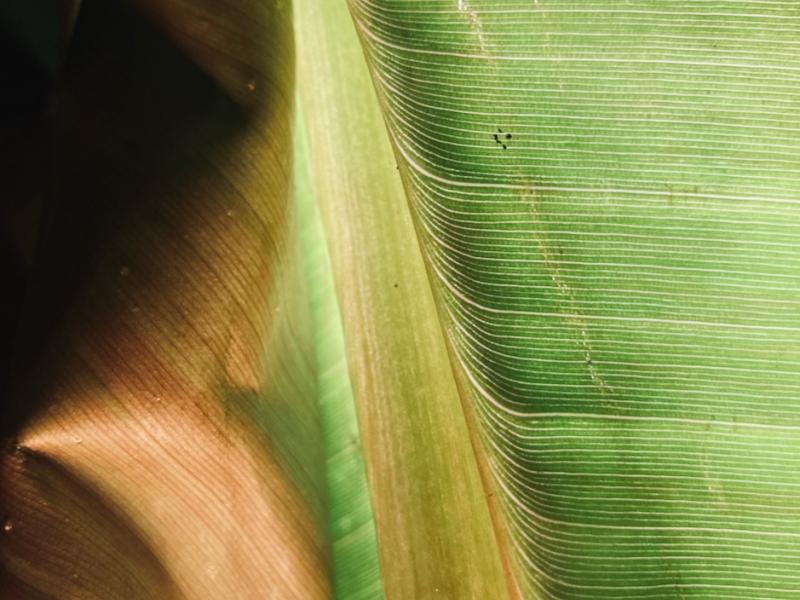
(171, 444)
(434, 528)
(607, 195)
(356, 572)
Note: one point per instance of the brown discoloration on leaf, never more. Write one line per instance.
(172, 357)
(104, 549)
(551, 256)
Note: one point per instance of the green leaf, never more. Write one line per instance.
(606, 192)
(434, 527)
(356, 572)
(508, 309)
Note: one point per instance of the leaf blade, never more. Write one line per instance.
(596, 185)
(434, 529)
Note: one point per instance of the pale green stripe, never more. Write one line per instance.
(356, 572)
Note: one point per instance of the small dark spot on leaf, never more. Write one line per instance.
(508, 136)
(395, 285)
(505, 147)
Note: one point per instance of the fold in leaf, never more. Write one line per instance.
(434, 527)
(159, 456)
(606, 192)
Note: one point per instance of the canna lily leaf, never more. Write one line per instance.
(606, 193)
(157, 455)
(356, 572)
(409, 299)
(434, 527)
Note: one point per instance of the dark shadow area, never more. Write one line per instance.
(132, 118)
(86, 144)
(29, 57)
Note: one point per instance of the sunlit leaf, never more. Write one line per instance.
(433, 524)
(356, 572)
(606, 192)
(498, 301)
